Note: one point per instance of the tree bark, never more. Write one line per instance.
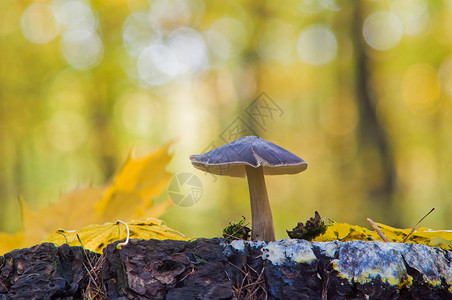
(214, 269)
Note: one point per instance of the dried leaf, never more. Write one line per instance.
(314, 227)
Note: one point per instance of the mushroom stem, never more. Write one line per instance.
(261, 213)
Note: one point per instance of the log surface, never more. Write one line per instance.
(215, 269)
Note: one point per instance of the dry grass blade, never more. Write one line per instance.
(381, 234)
(414, 228)
(95, 289)
(252, 285)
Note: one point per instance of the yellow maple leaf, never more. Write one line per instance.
(72, 211)
(129, 196)
(9, 242)
(138, 182)
(97, 237)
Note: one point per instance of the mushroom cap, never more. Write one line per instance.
(231, 159)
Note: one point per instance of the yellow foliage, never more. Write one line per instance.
(97, 237)
(8, 242)
(139, 181)
(72, 211)
(421, 236)
(129, 196)
(346, 232)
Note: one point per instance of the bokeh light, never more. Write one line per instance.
(414, 14)
(317, 45)
(235, 33)
(81, 48)
(75, 14)
(157, 64)
(421, 89)
(316, 6)
(139, 32)
(365, 88)
(190, 49)
(219, 47)
(278, 42)
(170, 11)
(382, 30)
(38, 23)
(75, 21)
(184, 52)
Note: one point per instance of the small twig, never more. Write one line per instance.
(91, 276)
(98, 289)
(189, 273)
(252, 268)
(237, 268)
(380, 233)
(242, 284)
(259, 256)
(89, 262)
(250, 284)
(230, 236)
(414, 228)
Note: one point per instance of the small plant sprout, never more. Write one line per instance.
(252, 157)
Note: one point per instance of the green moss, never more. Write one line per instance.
(237, 231)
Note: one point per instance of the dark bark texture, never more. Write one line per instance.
(214, 269)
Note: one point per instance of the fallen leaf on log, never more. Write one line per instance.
(97, 237)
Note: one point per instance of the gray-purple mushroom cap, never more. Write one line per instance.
(231, 159)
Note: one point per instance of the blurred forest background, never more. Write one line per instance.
(362, 90)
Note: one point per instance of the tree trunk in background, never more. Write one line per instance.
(251, 56)
(372, 136)
(105, 143)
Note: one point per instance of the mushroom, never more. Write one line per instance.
(252, 157)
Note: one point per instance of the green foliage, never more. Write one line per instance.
(237, 231)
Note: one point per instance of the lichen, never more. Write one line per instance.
(295, 250)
